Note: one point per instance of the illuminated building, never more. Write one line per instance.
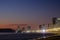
(28, 29)
(58, 21)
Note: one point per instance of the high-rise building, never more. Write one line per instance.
(18, 29)
(29, 28)
(23, 29)
(54, 20)
(40, 26)
(58, 21)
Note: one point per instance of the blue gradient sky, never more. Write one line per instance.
(28, 11)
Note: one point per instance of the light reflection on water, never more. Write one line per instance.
(23, 36)
(43, 36)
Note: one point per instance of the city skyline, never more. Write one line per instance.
(28, 11)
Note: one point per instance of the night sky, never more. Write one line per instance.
(28, 11)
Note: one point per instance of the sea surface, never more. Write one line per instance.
(23, 36)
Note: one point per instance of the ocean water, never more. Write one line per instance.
(22, 36)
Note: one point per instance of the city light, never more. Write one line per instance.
(43, 30)
(28, 31)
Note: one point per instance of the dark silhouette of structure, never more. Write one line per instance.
(54, 20)
(23, 29)
(18, 29)
(29, 28)
(40, 26)
(7, 30)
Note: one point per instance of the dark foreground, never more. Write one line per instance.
(27, 36)
(51, 38)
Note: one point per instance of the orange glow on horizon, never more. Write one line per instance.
(14, 26)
